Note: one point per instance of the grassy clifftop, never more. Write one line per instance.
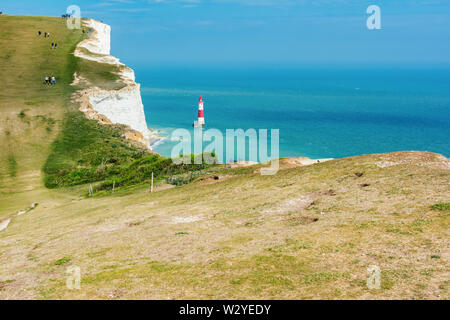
(31, 113)
(42, 133)
(306, 232)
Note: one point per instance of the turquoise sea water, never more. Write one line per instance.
(320, 112)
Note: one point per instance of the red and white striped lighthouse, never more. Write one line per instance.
(201, 116)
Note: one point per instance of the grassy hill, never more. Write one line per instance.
(307, 232)
(31, 113)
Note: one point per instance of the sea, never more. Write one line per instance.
(320, 111)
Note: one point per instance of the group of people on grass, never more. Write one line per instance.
(50, 81)
(46, 34)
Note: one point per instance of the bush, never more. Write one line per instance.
(141, 170)
(62, 261)
(441, 206)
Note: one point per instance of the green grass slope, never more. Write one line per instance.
(44, 139)
(31, 113)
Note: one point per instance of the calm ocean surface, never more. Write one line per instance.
(320, 112)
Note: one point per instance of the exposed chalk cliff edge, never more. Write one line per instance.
(122, 106)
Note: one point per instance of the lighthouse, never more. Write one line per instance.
(201, 116)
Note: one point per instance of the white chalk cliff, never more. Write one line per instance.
(122, 106)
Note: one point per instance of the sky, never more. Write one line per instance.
(284, 32)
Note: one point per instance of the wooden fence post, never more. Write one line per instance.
(151, 189)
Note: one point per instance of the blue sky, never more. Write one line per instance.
(164, 32)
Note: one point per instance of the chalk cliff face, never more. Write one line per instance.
(100, 41)
(122, 106)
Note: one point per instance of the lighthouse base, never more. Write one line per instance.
(198, 125)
